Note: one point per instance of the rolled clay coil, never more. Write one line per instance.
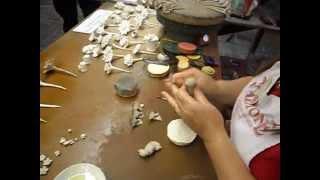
(157, 70)
(179, 133)
(208, 70)
(187, 48)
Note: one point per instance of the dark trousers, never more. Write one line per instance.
(67, 9)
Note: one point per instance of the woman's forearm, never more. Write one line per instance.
(226, 160)
(226, 91)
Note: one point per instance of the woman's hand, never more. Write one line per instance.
(204, 118)
(204, 82)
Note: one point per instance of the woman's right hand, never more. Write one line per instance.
(205, 83)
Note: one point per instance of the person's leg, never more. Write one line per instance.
(67, 9)
(88, 6)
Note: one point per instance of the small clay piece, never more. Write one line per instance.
(190, 83)
(134, 34)
(208, 70)
(66, 143)
(179, 133)
(57, 153)
(69, 130)
(42, 120)
(187, 48)
(83, 136)
(42, 157)
(75, 139)
(71, 142)
(43, 170)
(108, 68)
(126, 86)
(149, 149)
(162, 57)
(47, 162)
(44, 84)
(62, 140)
(49, 106)
(158, 70)
(49, 66)
(154, 116)
(136, 119)
(82, 67)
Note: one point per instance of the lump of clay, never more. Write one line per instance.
(126, 86)
(154, 116)
(179, 133)
(150, 148)
(158, 70)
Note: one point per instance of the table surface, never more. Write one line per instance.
(89, 105)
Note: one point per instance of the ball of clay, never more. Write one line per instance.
(157, 70)
(162, 57)
(179, 133)
(126, 86)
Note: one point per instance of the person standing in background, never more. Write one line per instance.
(67, 9)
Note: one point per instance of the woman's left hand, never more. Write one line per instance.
(204, 118)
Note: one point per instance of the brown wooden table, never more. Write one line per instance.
(89, 105)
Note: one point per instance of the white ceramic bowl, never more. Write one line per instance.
(82, 171)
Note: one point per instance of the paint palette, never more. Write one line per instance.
(82, 171)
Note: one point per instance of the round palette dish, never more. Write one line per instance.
(82, 171)
(157, 70)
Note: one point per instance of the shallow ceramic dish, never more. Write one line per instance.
(82, 171)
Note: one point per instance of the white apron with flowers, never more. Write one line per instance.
(256, 115)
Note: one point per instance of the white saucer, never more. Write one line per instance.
(82, 171)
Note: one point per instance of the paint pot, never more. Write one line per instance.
(187, 48)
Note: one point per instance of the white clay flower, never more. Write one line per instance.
(128, 60)
(107, 54)
(106, 40)
(124, 41)
(124, 27)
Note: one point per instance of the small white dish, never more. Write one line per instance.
(81, 171)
